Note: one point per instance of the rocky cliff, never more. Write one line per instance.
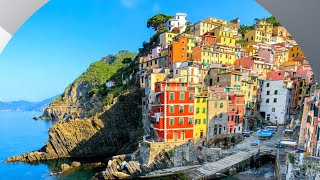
(116, 130)
(93, 121)
(87, 94)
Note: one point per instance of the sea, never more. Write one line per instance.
(19, 134)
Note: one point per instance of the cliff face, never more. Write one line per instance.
(116, 130)
(94, 121)
(86, 95)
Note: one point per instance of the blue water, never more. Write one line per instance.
(19, 133)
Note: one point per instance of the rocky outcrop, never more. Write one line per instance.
(163, 156)
(116, 130)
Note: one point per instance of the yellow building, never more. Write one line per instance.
(200, 113)
(225, 54)
(262, 25)
(218, 104)
(166, 38)
(201, 27)
(204, 54)
(225, 35)
(295, 51)
(258, 36)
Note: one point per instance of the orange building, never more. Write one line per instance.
(208, 38)
(173, 111)
(177, 51)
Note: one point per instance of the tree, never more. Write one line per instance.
(243, 29)
(176, 30)
(126, 61)
(157, 21)
(256, 20)
(273, 20)
(189, 24)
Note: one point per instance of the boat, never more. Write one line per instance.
(265, 134)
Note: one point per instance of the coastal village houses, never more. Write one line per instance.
(207, 82)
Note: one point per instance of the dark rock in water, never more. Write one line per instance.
(36, 118)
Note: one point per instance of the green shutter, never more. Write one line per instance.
(181, 121)
(204, 121)
(182, 96)
(171, 121)
(172, 109)
(171, 96)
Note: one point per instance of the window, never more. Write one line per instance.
(268, 84)
(181, 121)
(191, 108)
(198, 100)
(182, 96)
(220, 115)
(204, 121)
(273, 109)
(276, 92)
(190, 96)
(267, 101)
(190, 121)
(203, 110)
(218, 79)
(221, 105)
(171, 109)
(268, 92)
(181, 108)
(198, 110)
(204, 100)
(171, 121)
(171, 96)
(275, 100)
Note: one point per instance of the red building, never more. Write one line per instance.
(235, 113)
(173, 111)
(208, 38)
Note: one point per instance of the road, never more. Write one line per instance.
(265, 144)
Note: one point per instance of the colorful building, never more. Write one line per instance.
(166, 38)
(264, 26)
(177, 51)
(200, 113)
(295, 51)
(173, 111)
(258, 36)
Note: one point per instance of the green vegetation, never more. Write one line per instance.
(181, 176)
(243, 29)
(171, 153)
(291, 158)
(99, 72)
(272, 20)
(242, 42)
(157, 21)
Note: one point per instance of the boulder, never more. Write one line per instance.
(75, 164)
(65, 167)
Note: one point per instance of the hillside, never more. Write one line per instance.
(113, 122)
(25, 105)
(87, 95)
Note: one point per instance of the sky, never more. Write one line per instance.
(58, 43)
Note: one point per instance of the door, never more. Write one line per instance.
(201, 134)
(175, 136)
(183, 136)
